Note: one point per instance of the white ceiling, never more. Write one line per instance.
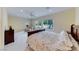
(34, 12)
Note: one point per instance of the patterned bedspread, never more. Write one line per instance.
(48, 41)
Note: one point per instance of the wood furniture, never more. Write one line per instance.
(35, 31)
(74, 32)
(9, 36)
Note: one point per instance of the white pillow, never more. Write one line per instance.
(75, 43)
(65, 40)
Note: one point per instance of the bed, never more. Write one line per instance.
(51, 41)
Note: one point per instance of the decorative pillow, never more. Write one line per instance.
(75, 43)
(65, 40)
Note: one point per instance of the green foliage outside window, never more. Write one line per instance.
(45, 22)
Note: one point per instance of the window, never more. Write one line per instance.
(47, 24)
(50, 23)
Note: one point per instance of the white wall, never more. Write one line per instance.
(77, 15)
(17, 23)
(3, 25)
(64, 19)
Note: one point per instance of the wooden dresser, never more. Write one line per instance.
(9, 36)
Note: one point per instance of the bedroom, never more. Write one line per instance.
(18, 18)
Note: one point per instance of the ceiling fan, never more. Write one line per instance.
(33, 15)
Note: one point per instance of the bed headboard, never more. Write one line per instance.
(75, 32)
